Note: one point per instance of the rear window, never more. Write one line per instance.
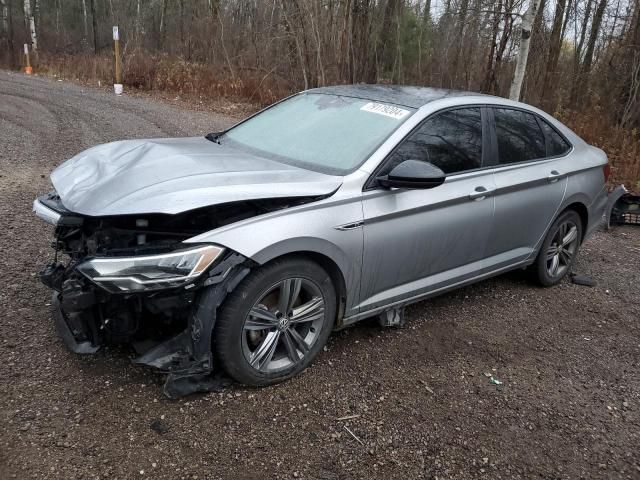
(519, 136)
(556, 145)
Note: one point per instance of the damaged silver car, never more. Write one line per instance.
(244, 249)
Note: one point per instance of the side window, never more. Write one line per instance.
(451, 140)
(519, 136)
(556, 145)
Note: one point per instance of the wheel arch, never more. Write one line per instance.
(582, 210)
(329, 265)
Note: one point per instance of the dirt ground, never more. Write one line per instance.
(420, 401)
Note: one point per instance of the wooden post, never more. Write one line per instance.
(27, 68)
(117, 86)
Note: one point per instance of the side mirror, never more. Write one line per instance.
(413, 174)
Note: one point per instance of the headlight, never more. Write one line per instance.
(126, 274)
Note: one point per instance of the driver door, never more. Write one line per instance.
(418, 241)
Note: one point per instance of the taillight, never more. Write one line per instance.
(607, 171)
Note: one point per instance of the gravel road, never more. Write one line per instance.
(418, 400)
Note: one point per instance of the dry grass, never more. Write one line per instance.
(170, 74)
(622, 146)
(162, 73)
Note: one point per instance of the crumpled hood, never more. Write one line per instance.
(175, 175)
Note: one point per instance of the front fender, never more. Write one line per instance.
(310, 228)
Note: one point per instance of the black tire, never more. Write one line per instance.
(231, 340)
(543, 266)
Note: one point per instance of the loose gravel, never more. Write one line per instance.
(411, 403)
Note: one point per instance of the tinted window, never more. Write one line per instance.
(556, 145)
(451, 140)
(519, 136)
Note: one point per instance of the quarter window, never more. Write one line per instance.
(519, 136)
(451, 140)
(556, 145)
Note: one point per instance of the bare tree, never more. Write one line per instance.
(94, 25)
(583, 31)
(30, 24)
(265, 49)
(523, 54)
(85, 20)
(581, 84)
(5, 17)
(555, 43)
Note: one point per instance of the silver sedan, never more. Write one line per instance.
(244, 249)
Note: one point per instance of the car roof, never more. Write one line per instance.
(414, 97)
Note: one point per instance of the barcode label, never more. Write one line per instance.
(386, 110)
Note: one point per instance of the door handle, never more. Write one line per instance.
(480, 193)
(554, 176)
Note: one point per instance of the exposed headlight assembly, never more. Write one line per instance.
(151, 272)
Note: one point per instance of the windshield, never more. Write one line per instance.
(327, 133)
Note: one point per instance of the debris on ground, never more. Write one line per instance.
(623, 208)
(353, 435)
(348, 417)
(159, 426)
(427, 387)
(583, 280)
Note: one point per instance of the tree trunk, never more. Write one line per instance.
(462, 20)
(504, 40)
(388, 35)
(537, 23)
(85, 21)
(581, 86)
(593, 36)
(567, 17)
(555, 43)
(31, 25)
(181, 3)
(94, 25)
(583, 32)
(11, 42)
(523, 54)
(57, 20)
(5, 17)
(163, 16)
(426, 13)
(138, 19)
(490, 73)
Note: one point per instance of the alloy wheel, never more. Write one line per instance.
(283, 325)
(562, 249)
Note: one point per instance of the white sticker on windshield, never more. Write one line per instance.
(386, 110)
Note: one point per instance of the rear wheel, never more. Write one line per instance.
(559, 249)
(275, 322)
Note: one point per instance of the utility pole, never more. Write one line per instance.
(27, 61)
(117, 86)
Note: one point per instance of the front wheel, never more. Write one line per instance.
(275, 322)
(559, 249)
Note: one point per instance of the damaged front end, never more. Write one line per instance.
(132, 280)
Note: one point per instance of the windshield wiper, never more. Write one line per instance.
(214, 137)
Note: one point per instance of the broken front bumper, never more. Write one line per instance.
(69, 329)
(82, 317)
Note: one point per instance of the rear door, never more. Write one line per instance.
(529, 179)
(417, 241)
